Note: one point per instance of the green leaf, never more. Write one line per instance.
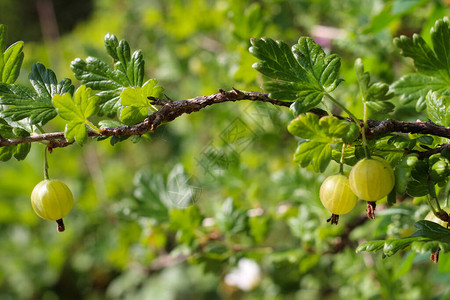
(350, 158)
(77, 110)
(405, 266)
(415, 87)
(109, 124)
(128, 71)
(20, 151)
(418, 185)
(317, 136)
(439, 168)
(313, 153)
(11, 62)
(45, 83)
(429, 237)
(147, 198)
(10, 59)
(303, 73)
(403, 172)
(34, 104)
(154, 196)
(374, 94)
(26, 104)
(136, 103)
(231, 219)
(433, 65)
(438, 108)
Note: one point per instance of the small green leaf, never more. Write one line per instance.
(325, 129)
(76, 110)
(439, 170)
(22, 151)
(374, 94)
(65, 107)
(426, 139)
(11, 62)
(349, 156)
(403, 172)
(109, 124)
(402, 142)
(76, 131)
(317, 136)
(7, 152)
(136, 103)
(10, 59)
(418, 184)
(313, 153)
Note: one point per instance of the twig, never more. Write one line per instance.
(390, 125)
(170, 110)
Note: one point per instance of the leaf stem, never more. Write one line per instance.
(41, 130)
(433, 195)
(46, 164)
(363, 130)
(93, 127)
(327, 108)
(349, 113)
(341, 162)
(430, 205)
(355, 119)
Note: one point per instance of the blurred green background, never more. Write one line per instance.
(170, 217)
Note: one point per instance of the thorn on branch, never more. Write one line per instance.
(157, 101)
(238, 92)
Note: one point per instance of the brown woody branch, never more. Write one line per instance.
(171, 110)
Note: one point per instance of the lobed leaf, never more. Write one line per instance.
(429, 237)
(34, 104)
(20, 151)
(317, 135)
(438, 108)
(136, 103)
(128, 71)
(433, 65)
(415, 87)
(76, 110)
(302, 73)
(26, 104)
(375, 95)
